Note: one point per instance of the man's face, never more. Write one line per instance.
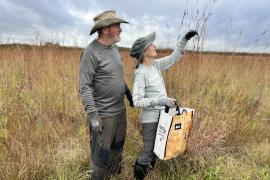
(114, 33)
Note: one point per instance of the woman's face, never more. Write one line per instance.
(150, 51)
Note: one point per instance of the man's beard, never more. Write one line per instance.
(113, 39)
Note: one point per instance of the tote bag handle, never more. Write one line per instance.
(167, 108)
(177, 108)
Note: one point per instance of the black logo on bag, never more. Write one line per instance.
(177, 126)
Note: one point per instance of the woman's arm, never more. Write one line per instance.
(166, 62)
(139, 91)
(139, 99)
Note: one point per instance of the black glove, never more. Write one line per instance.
(190, 34)
(129, 97)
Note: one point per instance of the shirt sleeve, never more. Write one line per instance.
(139, 85)
(86, 72)
(166, 62)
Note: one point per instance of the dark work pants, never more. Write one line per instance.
(149, 136)
(107, 147)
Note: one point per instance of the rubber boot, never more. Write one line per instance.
(152, 164)
(140, 171)
(99, 174)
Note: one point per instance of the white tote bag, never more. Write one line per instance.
(172, 133)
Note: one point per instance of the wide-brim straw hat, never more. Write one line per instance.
(105, 19)
(138, 47)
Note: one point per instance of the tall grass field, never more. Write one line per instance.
(43, 131)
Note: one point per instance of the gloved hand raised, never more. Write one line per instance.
(96, 124)
(190, 34)
(166, 102)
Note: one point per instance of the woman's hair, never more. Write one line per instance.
(141, 61)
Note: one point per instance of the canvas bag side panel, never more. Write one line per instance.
(178, 136)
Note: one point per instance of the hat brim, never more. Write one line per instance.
(105, 23)
(149, 39)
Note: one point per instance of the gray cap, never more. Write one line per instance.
(138, 47)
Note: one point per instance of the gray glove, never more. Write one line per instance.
(164, 102)
(190, 34)
(96, 124)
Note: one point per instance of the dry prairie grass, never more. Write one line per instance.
(43, 134)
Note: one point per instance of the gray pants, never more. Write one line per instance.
(107, 147)
(149, 135)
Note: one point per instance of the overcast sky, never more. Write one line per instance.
(231, 25)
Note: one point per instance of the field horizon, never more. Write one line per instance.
(123, 49)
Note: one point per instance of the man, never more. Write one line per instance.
(102, 89)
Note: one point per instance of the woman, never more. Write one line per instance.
(149, 93)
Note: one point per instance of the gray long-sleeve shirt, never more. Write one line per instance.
(102, 85)
(149, 84)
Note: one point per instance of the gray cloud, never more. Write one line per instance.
(240, 24)
(29, 13)
(246, 23)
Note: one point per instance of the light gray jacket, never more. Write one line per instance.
(149, 85)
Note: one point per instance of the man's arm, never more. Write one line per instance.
(87, 71)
